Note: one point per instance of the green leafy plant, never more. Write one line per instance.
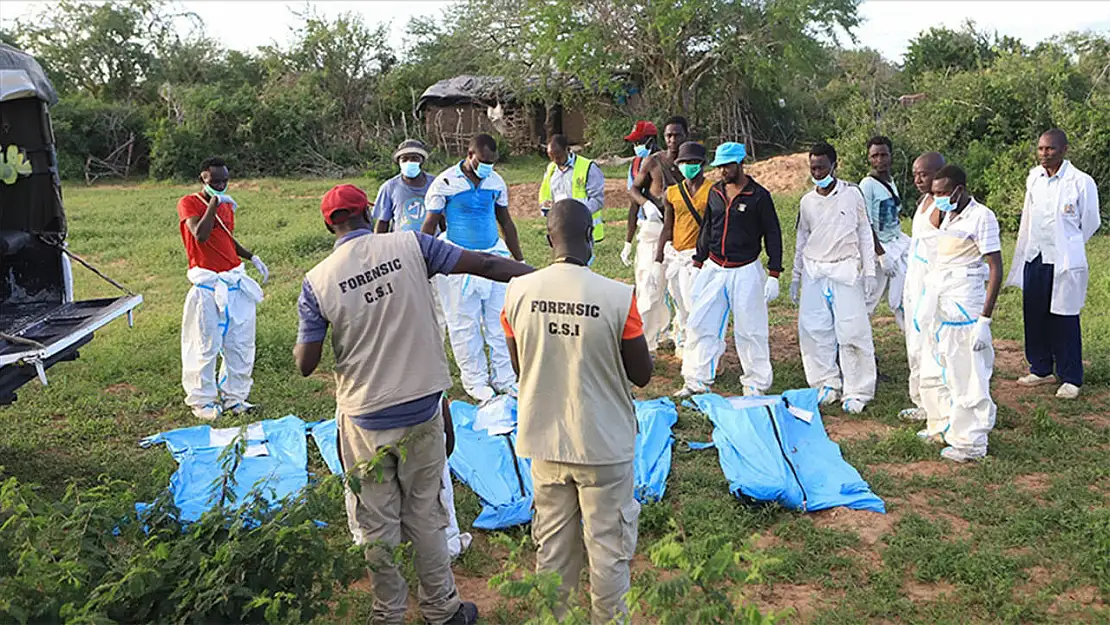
(92, 558)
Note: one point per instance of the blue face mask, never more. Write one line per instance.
(642, 151)
(212, 192)
(410, 169)
(483, 170)
(945, 204)
(824, 182)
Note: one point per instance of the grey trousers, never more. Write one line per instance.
(398, 500)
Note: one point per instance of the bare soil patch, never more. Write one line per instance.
(923, 592)
(843, 428)
(918, 502)
(803, 599)
(121, 389)
(869, 526)
(923, 468)
(1033, 482)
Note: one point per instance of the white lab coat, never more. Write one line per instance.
(1077, 220)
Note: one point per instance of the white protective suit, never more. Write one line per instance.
(897, 252)
(923, 248)
(955, 379)
(457, 542)
(716, 291)
(219, 319)
(472, 306)
(679, 272)
(834, 254)
(651, 300)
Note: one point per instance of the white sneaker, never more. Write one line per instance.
(686, 392)
(209, 412)
(853, 406)
(1067, 391)
(751, 391)
(913, 414)
(240, 408)
(1033, 379)
(828, 396)
(955, 455)
(936, 439)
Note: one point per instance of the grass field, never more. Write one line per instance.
(1022, 537)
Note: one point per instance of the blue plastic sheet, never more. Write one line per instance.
(488, 463)
(770, 452)
(326, 435)
(275, 460)
(654, 444)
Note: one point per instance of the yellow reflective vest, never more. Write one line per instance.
(577, 190)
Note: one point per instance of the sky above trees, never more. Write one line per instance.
(888, 25)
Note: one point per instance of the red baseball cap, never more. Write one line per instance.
(642, 130)
(343, 197)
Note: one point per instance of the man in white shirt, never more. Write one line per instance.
(955, 313)
(1060, 215)
(834, 268)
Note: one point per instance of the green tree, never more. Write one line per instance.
(105, 50)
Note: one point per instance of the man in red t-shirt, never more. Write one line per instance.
(219, 315)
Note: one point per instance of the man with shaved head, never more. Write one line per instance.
(922, 250)
(1060, 215)
(577, 343)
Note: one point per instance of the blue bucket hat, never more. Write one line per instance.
(730, 152)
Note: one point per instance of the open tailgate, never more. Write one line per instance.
(54, 331)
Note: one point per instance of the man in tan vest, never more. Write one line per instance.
(576, 341)
(390, 372)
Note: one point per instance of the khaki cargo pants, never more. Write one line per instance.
(399, 501)
(587, 510)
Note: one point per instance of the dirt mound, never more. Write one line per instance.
(781, 174)
(525, 204)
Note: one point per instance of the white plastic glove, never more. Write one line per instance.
(870, 285)
(261, 267)
(771, 289)
(626, 254)
(654, 280)
(795, 288)
(982, 334)
(887, 265)
(651, 211)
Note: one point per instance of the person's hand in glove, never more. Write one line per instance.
(651, 211)
(870, 285)
(982, 334)
(261, 267)
(887, 265)
(771, 289)
(654, 279)
(795, 288)
(626, 254)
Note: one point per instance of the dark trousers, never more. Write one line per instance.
(1049, 339)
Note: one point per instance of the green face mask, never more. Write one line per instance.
(690, 170)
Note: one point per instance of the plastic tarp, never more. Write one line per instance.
(275, 460)
(775, 449)
(21, 76)
(485, 458)
(487, 463)
(654, 443)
